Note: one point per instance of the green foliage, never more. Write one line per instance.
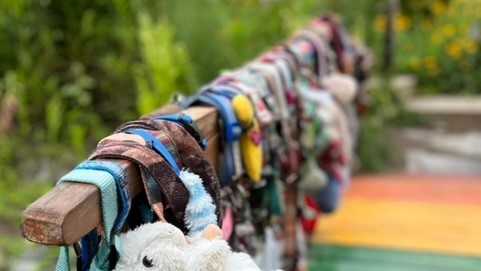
(12, 204)
(375, 154)
(6, 160)
(376, 148)
(13, 246)
(165, 68)
(79, 69)
(48, 262)
(439, 41)
(54, 115)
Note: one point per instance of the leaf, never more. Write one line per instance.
(54, 118)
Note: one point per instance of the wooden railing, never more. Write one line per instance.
(71, 210)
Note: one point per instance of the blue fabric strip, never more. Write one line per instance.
(232, 128)
(90, 246)
(157, 146)
(220, 98)
(188, 124)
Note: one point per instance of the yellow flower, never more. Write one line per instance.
(402, 23)
(454, 50)
(436, 38)
(439, 7)
(415, 64)
(470, 46)
(380, 23)
(426, 25)
(431, 65)
(448, 31)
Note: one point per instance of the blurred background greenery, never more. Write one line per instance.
(71, 71)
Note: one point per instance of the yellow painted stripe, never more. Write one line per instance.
(413, 226)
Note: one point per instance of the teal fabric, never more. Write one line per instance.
(63, 261)
(123, 196)
(108, 190)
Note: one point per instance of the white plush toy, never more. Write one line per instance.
(342, 86)
(161, 246)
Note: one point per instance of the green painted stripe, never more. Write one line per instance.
(336, 258)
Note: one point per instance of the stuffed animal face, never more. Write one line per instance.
(163, 247)
(152, 247)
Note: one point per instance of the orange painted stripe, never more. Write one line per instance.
(442, 189)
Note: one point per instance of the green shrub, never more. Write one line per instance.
(439, 41)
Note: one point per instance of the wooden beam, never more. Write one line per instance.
(71, 210)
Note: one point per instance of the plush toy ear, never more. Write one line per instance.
(212, 232)
(200, 211)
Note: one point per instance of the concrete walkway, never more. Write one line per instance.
(403, 222)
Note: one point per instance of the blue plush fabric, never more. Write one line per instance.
(329, 197)
(200, 210)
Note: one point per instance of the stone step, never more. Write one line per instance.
(466, 145)
(448, 112)
(429, 162)
(431, 151)
(446, 105)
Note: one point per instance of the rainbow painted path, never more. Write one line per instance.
(394, 222)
